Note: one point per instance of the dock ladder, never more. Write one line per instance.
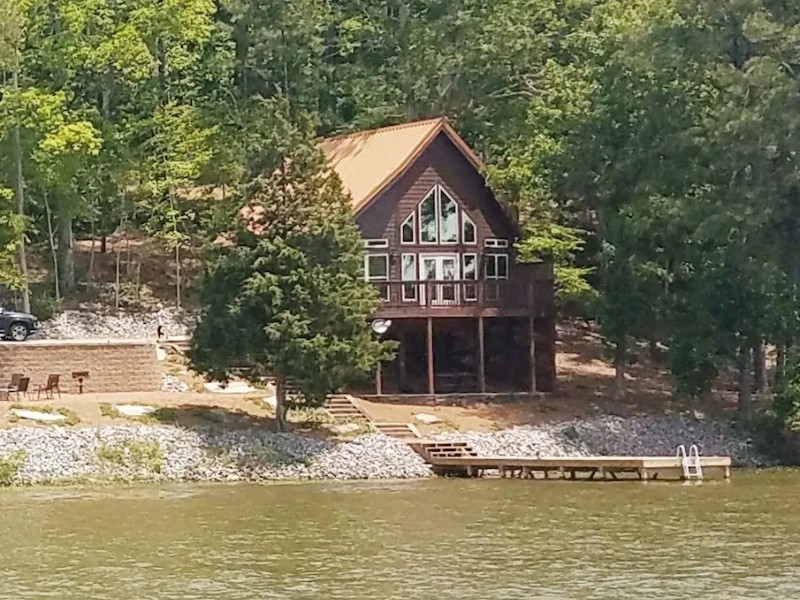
(692, 469)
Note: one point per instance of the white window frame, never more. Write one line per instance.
(413, 218)
(439, 221)
(495, 256)
(413, 282)
(465, 218)
(378, 278)
(432, 192)
(470, 284)
(375, 243)
(437, 192)
(496, 243)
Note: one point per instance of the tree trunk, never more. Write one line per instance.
(280, 404)
(116, 279)
(138, 279)
(760, 377)
(177, 249)
(780, 363)
(178, 274)
(746, 384)
(90, 275)
(620, 354)
(19, 188)
(127, 256)
(103, 244)
(51, 238)
(20, 192)
(66, 252)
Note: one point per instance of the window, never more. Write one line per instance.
(469, 272)
(376, 270)
(496, 243)
(448, 219)
(427, 219)
(408, 230)
(409, 274)
(376, 243)
(468, 229)
(495, 266)
(438, 221)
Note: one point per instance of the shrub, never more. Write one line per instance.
(130, 453)
(9, 467)
(45, 306)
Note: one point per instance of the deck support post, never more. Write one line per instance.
(532, 337)
(429, 340)
(481, 357)
(378, 381)
(401, 359)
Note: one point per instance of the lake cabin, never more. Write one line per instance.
(440, 249)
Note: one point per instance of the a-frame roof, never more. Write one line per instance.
(368, 162)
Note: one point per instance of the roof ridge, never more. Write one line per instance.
(355, 134)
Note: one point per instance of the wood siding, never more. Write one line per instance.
(443, 164)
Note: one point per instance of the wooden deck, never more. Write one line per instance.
(615, 468)
(458, 459)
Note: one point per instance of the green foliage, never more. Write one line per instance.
(649, 149)
(285, 296)
(548, 241)
(10, 466)
(45, 305)
(139, 455)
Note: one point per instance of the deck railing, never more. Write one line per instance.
(462, 293)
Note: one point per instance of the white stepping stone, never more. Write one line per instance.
(234, 387)
(134, 410)
(426, 418)
(35, 415)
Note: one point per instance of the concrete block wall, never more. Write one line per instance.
(113, 365)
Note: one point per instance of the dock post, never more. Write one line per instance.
(531, 323)
(481, 357)
(431, 385)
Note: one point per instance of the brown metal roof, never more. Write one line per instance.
(369, 161)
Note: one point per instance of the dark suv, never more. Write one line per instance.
(17, 326)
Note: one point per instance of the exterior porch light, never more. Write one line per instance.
(380, 326)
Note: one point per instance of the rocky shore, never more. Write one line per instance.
(165, 453)
(37, 455)
(84, 324)
(609, 435)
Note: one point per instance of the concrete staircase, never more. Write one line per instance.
(346, 407)
(400, 431)
(342, 407)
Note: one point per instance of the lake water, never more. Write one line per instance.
(437, 539)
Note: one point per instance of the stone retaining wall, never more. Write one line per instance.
(113, 365)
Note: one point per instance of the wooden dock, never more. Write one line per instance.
(457, 459)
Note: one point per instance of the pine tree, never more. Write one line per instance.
(283, 293)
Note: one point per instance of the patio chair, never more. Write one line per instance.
(15, 377)
(21, 391)
(48, 388)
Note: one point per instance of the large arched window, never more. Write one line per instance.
(437, 220)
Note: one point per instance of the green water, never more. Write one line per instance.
(438, 539)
